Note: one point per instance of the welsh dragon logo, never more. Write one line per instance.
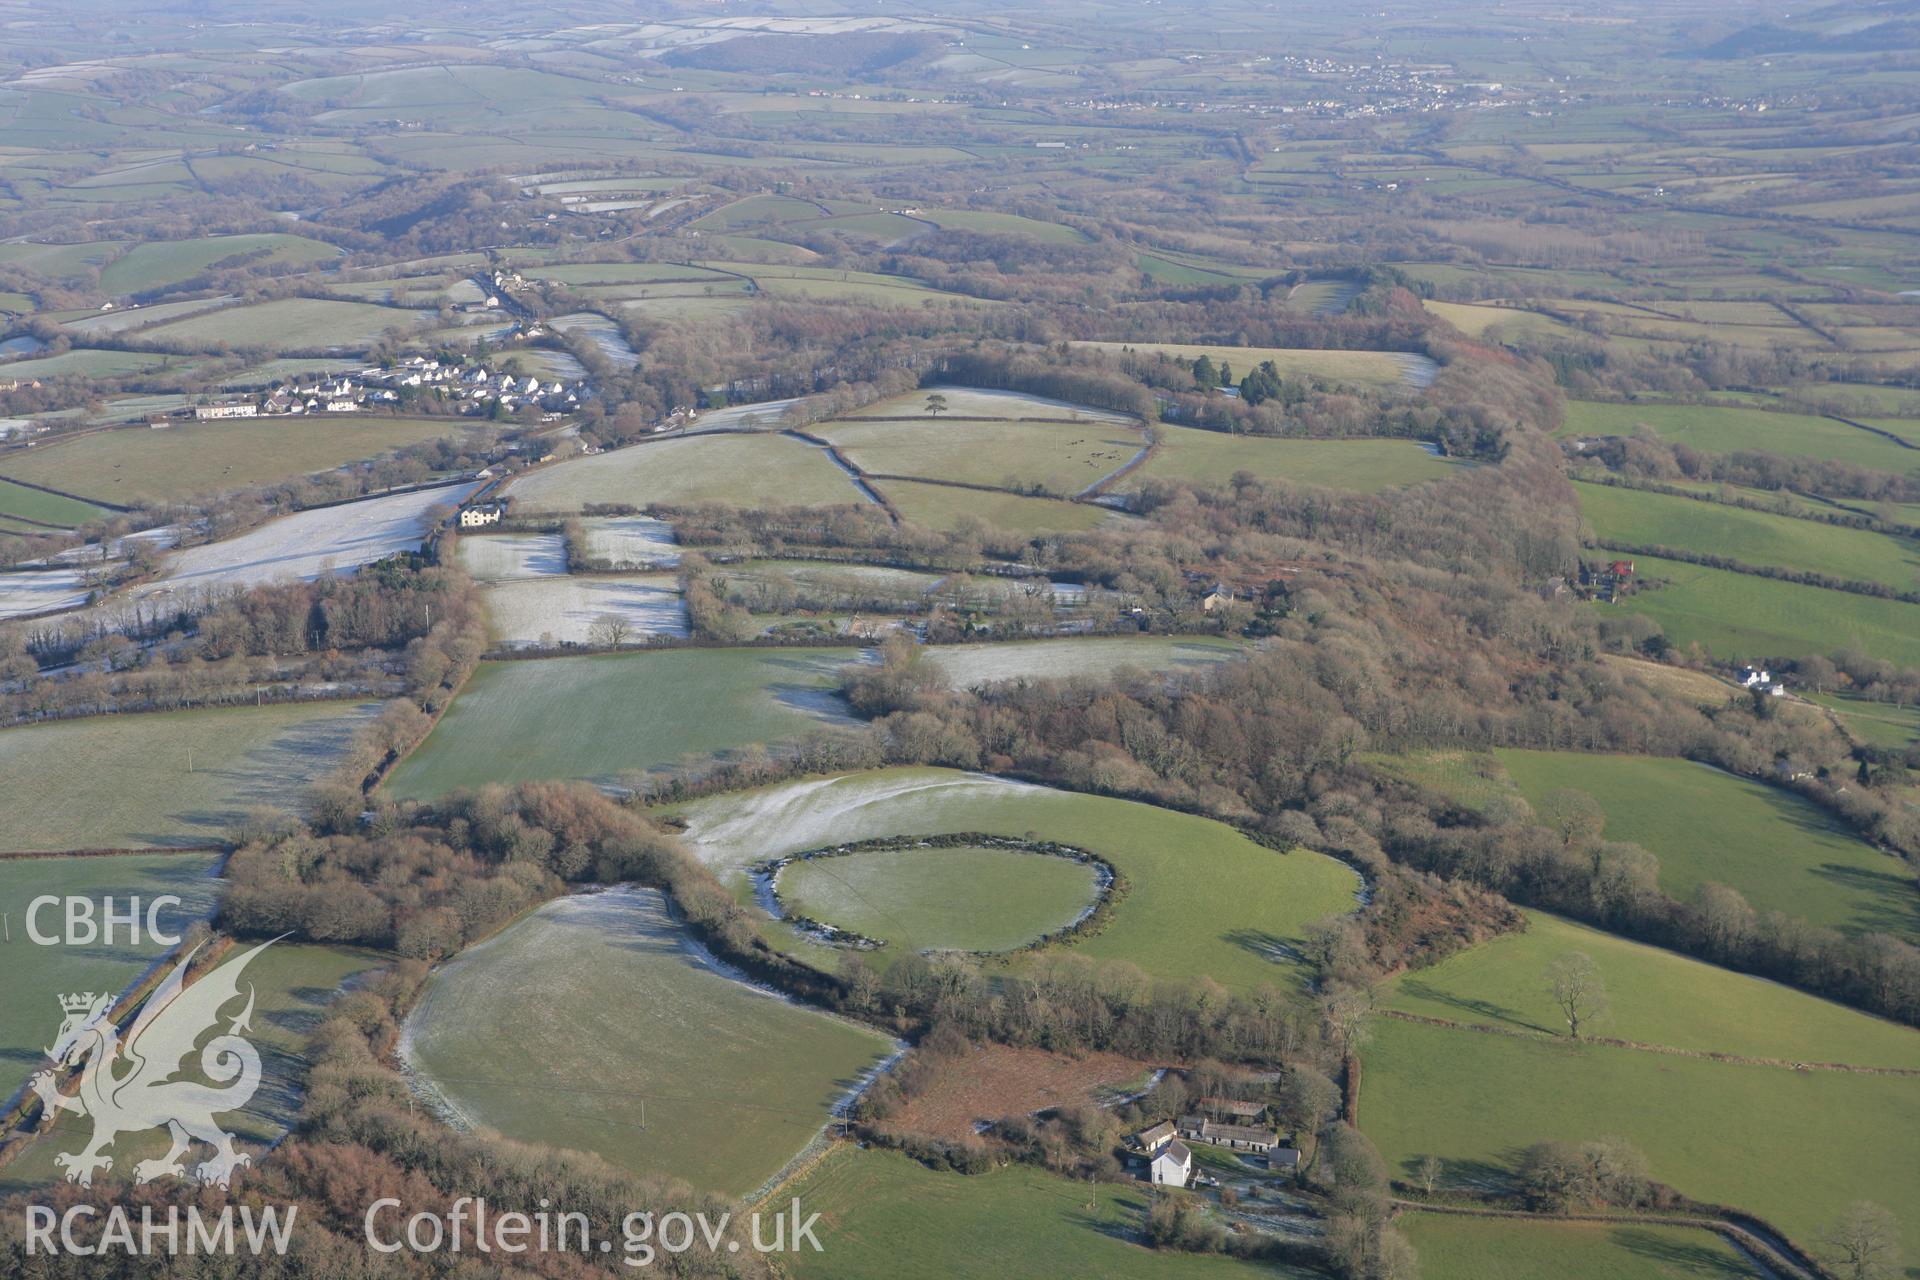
(130, 1085)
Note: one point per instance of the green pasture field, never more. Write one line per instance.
(85, 362)
(1795, 1147)
(660, 292)
(883, 1215)
(592, 273)
(746, 470)
(958, 899)
(1362, 368)
(714, 1082)
(1756, 538)
(1461, 1248)
(1726, 429)
(1063, 458)
(1739, 617)
(579, 717)
(1878, 724)
(289, 324)
(46, 508)
(1705, 825)
(60, 261)
(892, 293)
(158, 264)
(1657, 997)
(1175, 923)
(601, 716)
(759, 212)
(292, 985)
(1215, 457)
(986, 222)
(940, 506)
(1478, 320)
(1180, 275)
(37, 976)
(1906, 428)
(117, 782)
(136, 464)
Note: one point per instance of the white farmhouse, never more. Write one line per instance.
(1171, 1165)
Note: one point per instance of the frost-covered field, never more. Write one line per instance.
(519, 1033)
(304, 544)
(976, 402)
(563, 610)
(966, 665)
(40, 592)
(765, 414)
(632, 540)
(602, 333)
(160, 538)
(504, 557)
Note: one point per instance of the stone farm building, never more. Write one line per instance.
(1238, 1137)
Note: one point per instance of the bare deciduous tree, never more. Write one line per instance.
(1576, 986)
(610, 630)
(1865, 1243)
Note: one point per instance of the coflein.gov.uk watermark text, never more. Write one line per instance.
(468, 1226)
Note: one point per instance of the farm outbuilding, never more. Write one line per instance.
(1238, 1137)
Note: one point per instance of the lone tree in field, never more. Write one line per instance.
(1575, 984)
(936, 404)
(1865, 1243)
(1429, 1172)
(610, 630)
